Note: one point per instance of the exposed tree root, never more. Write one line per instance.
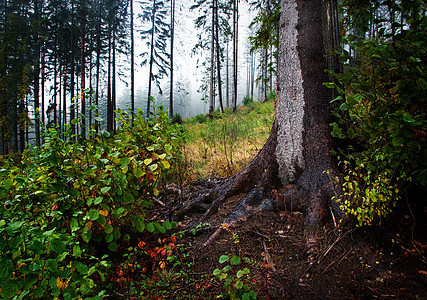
(311, 194)
(261, 172)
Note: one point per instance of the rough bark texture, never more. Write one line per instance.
(313, 185)
(298, 150)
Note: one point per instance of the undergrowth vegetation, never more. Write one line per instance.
(226, 143)
(76, 221)
(72, 203)
(381, 112)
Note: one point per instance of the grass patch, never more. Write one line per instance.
(224, 144)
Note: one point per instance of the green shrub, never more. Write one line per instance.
(65, 199)
(200, 118)
(247, 100)
(381, 114)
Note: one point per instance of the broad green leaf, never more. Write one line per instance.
(89, 171)
(98, 200)
(11, 288)
(6, 269)
(138, 223)
(223, 259)
(8, 184)
(74, 224)
(148, 161)
(167, 225)
(125, 161)
(153, 167)
(408, 118)
(80, 267)
(112, 246)
(150, 227)
(77, 251)
(105, 189)
(161, 229)
(74, 121)
(249, 296)
(101, 220)
(239, 284)
(108, 228)
(109, 238)
(120, 210)
(235, 260)
(398, 141)
(138, 172)
(93, 214)
(57, 245)
(14, 227)
(73, 192)
(155, 192)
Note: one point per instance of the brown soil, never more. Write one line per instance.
(386, 262)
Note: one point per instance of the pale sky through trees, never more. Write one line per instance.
(188, 67)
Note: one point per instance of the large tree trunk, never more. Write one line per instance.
(298, 151)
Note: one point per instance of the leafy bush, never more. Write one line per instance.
(200, 118)
(381, 114)
(247, 100)
(64, 200)
(177, 119)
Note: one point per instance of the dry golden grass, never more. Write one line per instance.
(223, 147)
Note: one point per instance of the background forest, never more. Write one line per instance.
(120, 51)
(91, 185)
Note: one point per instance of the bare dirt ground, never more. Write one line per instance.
(386, 262)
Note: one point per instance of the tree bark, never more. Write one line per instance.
(171, 58)
(218, 60)
(298, 150)
(150, 75)
(83, 72)
(235, 51)
(132, 61)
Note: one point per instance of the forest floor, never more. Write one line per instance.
(378, 262)
(385, 262)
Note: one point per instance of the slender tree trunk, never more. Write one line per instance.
(235, 51)
(227, 85)
(43, 76)
(264, 74)
(37, 73)
(252, 73)
(73, 86)
(132, 61)
(109, 100)
(218, 60)
(150, 73)
(90, 82)
(55, 84)
(171, 58)
(60, 109)
(211, 88)
(83, 74)
(64, 105)
(113, 90)
(98, 61)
